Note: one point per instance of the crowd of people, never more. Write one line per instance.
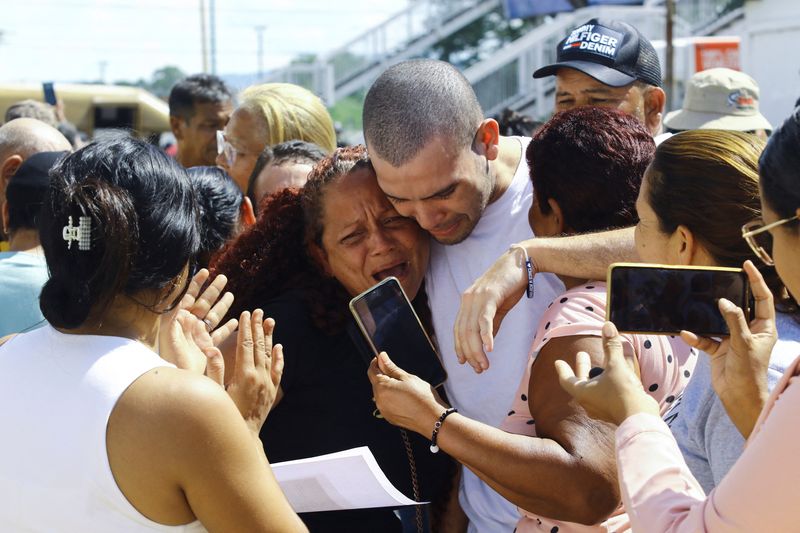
(171, 326)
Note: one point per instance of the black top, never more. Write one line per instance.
(327, 407)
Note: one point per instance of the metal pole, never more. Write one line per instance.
(203, 40)
(212, 27)
(670, 74)
(260, 36)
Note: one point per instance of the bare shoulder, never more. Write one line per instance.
(162, 430)
(173, 402)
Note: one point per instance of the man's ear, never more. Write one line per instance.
(487, 139)
(176, 125)
(7, 169)
(246, 213)
(654, 100)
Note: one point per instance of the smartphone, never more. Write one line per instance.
(49, 92)
(661, 299)
(389, 324)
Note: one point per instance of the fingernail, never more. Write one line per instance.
(725, 304)
(609, 329)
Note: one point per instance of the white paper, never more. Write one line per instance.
(350, 479)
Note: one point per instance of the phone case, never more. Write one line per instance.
(362, 327)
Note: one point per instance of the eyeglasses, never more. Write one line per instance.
(225, 148)
(757, 236)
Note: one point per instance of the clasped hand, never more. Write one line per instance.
(190, 337)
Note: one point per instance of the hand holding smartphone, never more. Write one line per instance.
(389, 324)
(661, 299)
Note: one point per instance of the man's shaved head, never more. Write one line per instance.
(28, 136)
(20, 139)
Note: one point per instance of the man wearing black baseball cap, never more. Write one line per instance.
(608, 63)
(22, 268)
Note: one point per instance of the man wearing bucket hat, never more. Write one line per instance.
(608, 63)
(720, 99)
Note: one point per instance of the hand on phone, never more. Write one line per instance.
(739, 362)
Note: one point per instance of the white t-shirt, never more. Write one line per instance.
(487, 397)
(56, 394)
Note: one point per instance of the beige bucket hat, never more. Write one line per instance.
(719, 99)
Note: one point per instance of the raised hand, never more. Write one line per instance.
(484, 305)
(256, 377)
(613, 394)
(186, 343)
(739, 362)
(210, 305)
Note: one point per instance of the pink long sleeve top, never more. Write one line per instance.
(760, 493)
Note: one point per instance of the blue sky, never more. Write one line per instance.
(66, 40)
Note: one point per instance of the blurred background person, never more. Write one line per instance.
(269, 114)
(20, 139)
(511, 122)
(23, 268)
(199, 105)
(286, 164)
(32, 109)
(720, 99)
(224, 210)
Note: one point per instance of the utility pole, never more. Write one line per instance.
(102, 65)
(212, 18)
(260, 37)
(203, 43)
(670, 74)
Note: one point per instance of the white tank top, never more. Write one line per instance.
(56, 394)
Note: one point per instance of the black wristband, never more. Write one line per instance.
(437, 426)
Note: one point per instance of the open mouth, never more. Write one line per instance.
(399, 271)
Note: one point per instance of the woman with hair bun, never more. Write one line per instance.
(107, 434)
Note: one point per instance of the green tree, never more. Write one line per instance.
(481, 38)
(163, 79)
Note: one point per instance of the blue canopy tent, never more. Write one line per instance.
(515, 9)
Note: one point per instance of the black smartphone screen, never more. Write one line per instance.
(49, 92)
(390, 324)
(650, 299)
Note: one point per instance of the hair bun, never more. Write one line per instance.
(65, 303)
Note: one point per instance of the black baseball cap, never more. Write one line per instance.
(612, 52)
(29, 184)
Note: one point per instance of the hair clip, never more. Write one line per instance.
(81, 233)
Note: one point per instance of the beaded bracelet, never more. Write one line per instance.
(437, 426)
(530, 268)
